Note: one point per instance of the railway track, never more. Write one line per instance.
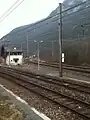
(66, 67)
(82, 87)
(82, 108)
(58, 85)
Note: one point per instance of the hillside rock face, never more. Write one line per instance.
(76, 34)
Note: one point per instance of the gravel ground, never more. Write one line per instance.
(75, 94)
(50, 109)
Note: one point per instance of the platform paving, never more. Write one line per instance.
(13, 107)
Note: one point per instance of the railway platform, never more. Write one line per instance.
(13, 107)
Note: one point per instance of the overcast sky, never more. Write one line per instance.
(28, 12)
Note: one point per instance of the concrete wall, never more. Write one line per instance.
(13, 58)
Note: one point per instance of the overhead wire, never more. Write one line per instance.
(59, 13)
(74, 6)
(53, 16)
(29, 30)
(11, 11)
(65, 16)
(9, 8)
(45, 23)
(74, 12)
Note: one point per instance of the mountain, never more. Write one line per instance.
(76, 34)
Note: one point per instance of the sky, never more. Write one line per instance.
(28, 12)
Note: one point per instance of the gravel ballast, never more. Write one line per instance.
(53, 111)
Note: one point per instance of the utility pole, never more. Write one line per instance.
(83, 32)
(52, 50)
(27, 43)
(60, 40)
(21, 46)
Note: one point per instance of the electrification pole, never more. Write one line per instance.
(83, 32)
(27, 43)
(60, 40)
(21, 46)
(52, 50)
(38, 57)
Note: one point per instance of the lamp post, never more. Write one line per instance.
(38, 52)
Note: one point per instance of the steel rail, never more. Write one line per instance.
(71, 104)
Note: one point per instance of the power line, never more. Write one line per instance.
(52, 16)
(77, 11)
(73, 13)
(43, 34)
(43, 26)
(9, 8)
(49, 33)
(62, 12)
(12, 10)
(74, 6)
(52, 22)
